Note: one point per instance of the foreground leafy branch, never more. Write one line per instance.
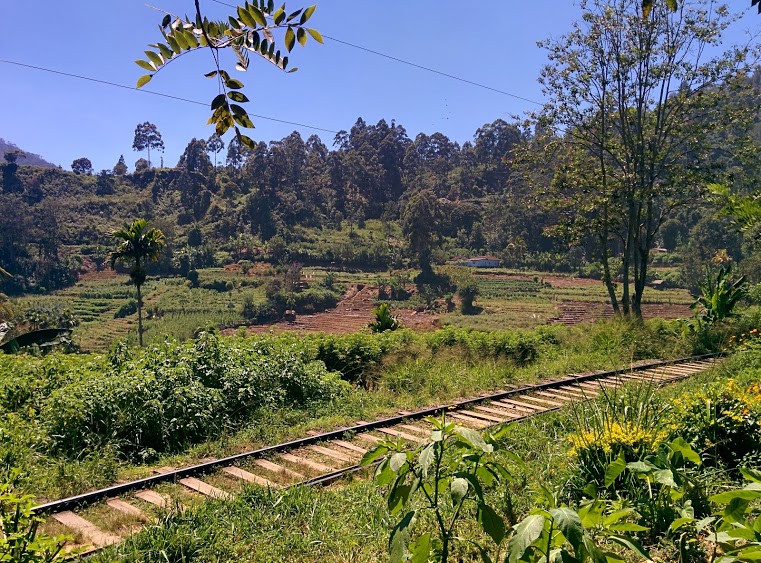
(448, 476)
(250, 30)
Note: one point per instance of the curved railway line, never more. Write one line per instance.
(325, 457)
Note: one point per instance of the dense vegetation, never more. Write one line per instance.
(657, 461)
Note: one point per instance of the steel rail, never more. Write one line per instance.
(171, 476)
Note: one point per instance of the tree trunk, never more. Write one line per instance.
(606, 278)
(139, 316)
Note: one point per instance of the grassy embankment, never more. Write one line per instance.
(350, 522)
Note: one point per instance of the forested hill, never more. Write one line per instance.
(29, 159)
(299, 200)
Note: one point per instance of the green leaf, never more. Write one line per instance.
(679, 522)
(640, 467)
(155, 58)
(301, 36)
(420, 549)
(473, 438)
(459, 489)
(569, 524)
(166, 20)
(166, 52)
(258, 16)
(290, 39)
(234, 84)
(383, 475)
(425, 458)
(615, 469)
(743, 494)
(173, 44)
(315, 35)
(234, 23)
(681, 446)
(631, 545)
(294, 15)
(307, 14)
(237, 97)
(278, 16)
(735, 511)
(181, 39)
(143, 80)
(398, 498)
(400, 535)
(665, 477)
(672, 5)
(751, 474)
(397, 461)
(627, 527)
(526, 532)
(243, 120)
(218, 101)
(373, 454)
(246, 17)
(248, 142)
(647, 6)
(211, 74)
(145, 65)
(491, 523)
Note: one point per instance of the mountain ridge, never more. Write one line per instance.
(29, 159)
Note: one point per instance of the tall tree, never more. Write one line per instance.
(120, 168)
(138, 245)
(214, 144)
(82, 166)
(147, 137)
(194, 157)
(638, 100)
(421, 221)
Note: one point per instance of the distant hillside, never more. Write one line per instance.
(30, 159)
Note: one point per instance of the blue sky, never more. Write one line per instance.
(64, 118)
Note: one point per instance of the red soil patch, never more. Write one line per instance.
(352, 313)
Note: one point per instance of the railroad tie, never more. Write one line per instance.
(331, 453)
(469, 420)
(308, 463)
(249, 477)
(153, 498)
(500, 412)
(400, 434)
(126, 508)
(205, 489)
(369, 438)
(482, 415)
(519, 404)
(349, 446)
(278, 469)
(424, 432)
(89, 531)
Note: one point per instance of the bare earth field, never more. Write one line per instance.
(354, 311)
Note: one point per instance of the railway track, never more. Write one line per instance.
(326, 457)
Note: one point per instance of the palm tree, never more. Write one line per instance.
(139, 245)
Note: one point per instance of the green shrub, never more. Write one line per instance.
(722, 421)
(165, 397)
(129, 308)
(518, 346)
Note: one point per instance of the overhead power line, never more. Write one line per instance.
(178, 98)
(418, 66)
